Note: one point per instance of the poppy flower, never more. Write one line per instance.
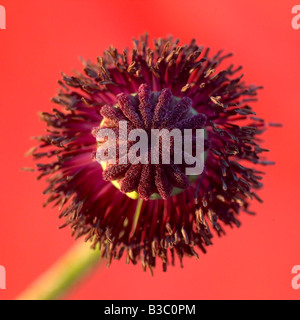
(152, 210)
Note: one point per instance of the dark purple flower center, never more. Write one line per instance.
(149, 110)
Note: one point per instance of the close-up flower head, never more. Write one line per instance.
(149, 211)
(149, 153)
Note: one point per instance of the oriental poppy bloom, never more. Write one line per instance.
(152, 210)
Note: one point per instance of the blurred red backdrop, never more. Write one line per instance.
(46, 37)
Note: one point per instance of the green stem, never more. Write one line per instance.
(64, 275)
(137, 215)
(71, 268)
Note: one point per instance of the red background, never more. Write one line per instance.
(46, 37)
